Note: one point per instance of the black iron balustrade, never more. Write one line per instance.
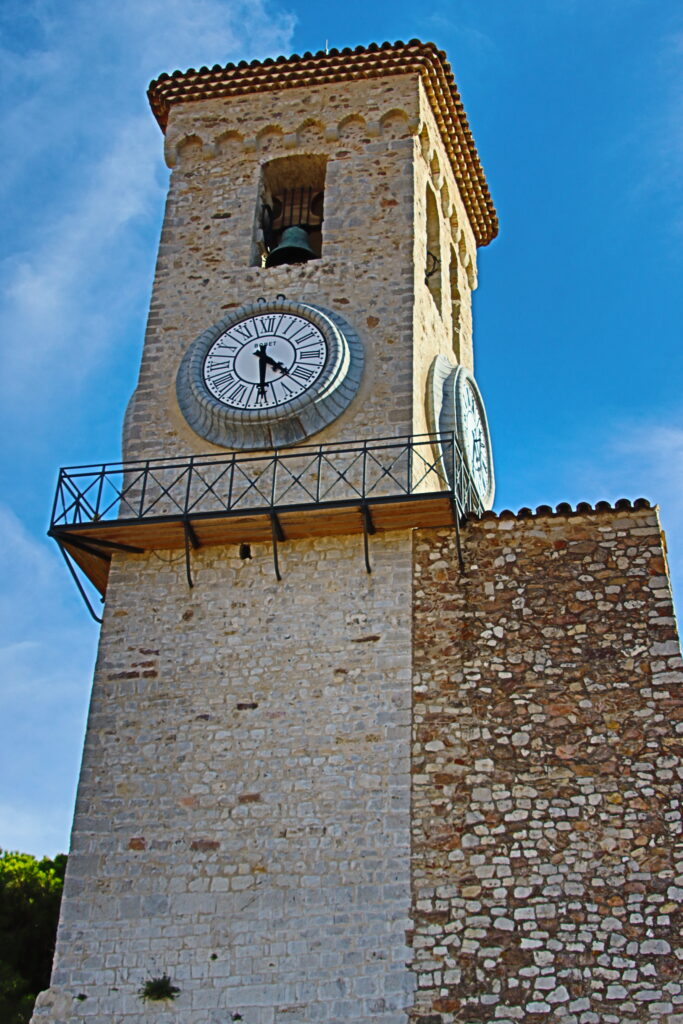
(97, 508)
(308, 475)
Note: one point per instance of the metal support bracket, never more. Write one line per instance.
(278, 535)
(456, 520)
(190, 542)
(368, 530)
(78, 582)
(113, 545)
(94, 545)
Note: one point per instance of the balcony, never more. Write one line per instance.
(363, 487)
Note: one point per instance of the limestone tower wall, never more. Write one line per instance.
(381, 155)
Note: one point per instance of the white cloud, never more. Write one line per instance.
(81, 140)
(441, 23)
(59, 294)
(46, 657)
(644, 459)
(653, 454)
(634, 459)
(83, 183)
(204, 31)
(655, 146)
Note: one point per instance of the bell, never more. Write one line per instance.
(294, 247)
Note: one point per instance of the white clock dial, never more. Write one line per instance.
(265, 361)
(455, 411)
(474, 439)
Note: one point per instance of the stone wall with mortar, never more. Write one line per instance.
(435, 329)
(243, 812)
(547, 859)
(381, 147)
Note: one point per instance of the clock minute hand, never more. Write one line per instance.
(262, 357)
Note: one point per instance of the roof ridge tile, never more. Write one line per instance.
(564, 508)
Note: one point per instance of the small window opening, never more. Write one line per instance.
(456, 300)
(291, 210)
(433, 252)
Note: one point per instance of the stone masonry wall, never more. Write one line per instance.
(435, 330)
(243, 813)
(381, 146)
(205, 264)
(547, 760)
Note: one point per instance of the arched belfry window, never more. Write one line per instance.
(291, 210)
(433, 249)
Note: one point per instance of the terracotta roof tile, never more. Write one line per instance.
(564, 509)
(373, 61)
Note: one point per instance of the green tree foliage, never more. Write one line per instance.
(30, 894)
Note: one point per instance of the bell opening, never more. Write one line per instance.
(291, 210)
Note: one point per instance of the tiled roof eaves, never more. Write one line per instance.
(344, 65)
(564, 509)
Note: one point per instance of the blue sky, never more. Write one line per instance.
(577, 111)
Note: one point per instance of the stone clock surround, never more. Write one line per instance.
(444, 408)
(278, 427)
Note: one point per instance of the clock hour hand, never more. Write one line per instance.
(478, 450)
(276, 365)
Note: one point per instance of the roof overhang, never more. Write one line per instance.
(323, 67)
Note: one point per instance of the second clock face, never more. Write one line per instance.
(455, 411)
(473, 436)
(265, 361)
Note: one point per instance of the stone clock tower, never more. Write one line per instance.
(312, 709)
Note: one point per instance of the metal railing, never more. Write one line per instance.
(188, 488)
(328, 474)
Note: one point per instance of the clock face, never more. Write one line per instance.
(270, 374)
(455, 411)
(265, 361)
(473, 437)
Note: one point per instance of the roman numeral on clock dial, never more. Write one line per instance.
(265, 360)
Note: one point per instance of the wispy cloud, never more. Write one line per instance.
(83, 185)
(655, 144)
(203, 32)
(449, 20)
(647, 456)
(672, 133)
(85, 159)
(46, 660)
(58, 295)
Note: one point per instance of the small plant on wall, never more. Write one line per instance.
(156, 990)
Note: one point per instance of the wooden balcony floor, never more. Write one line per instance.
(91, 544)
